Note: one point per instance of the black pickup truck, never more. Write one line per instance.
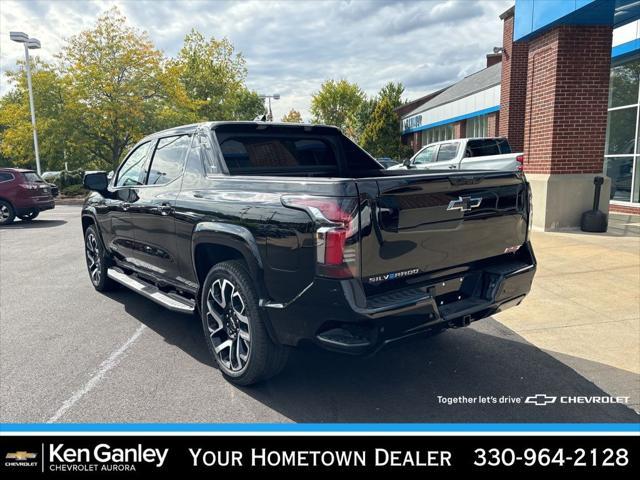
(280, 233)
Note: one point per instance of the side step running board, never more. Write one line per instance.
(171, 301)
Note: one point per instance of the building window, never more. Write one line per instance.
(437, 134)
(621, 150)
(478, 126)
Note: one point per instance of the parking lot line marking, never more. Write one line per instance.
(105, 366)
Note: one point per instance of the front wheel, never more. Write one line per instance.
(97, 261)
(7, 214)
(30, 215)
(234, 326)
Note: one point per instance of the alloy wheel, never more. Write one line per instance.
(4, 213)
(228, 325)
(93, 258)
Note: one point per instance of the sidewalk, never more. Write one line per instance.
(584, 307)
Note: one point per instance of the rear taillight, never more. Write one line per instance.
(520, 160)
(30, 187)
(336, 235)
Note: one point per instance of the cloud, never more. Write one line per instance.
(292, 47)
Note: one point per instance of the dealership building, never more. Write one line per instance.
(564, 89)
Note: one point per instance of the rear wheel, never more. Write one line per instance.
(234, 326)
(97, 261)
(7, 214)
(30, 215)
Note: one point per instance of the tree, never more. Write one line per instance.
(213, 77)
(16, 132)
(393, 92)
(113, 74)
(336, 102)
(379, 124)
(292, 117)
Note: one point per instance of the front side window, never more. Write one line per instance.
(131, 171)
(426, 156)
(447, 151)
(168, 159)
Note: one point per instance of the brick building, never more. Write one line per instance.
(566, 93)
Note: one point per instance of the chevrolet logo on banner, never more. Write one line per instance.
(20, 455)
(541, 399)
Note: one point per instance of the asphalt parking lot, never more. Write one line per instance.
(70, 354)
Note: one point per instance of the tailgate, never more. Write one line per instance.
(430, 222)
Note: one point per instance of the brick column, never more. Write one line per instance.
(493, 121)
(460, 129)
(566, 120)
(513, 89)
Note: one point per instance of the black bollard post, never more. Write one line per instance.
(594, 220)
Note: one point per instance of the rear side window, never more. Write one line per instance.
(32, 177)
(447, 151)
(277, 153)
(168, 159)
(130, 172)
(5, 177)
(481, 148)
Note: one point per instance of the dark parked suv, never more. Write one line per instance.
(275, 234)
(23, 194)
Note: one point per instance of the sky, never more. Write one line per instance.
(292, 46)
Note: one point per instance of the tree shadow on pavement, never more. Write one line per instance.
(402, 382)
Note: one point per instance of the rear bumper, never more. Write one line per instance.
(337, 315)
(40, 206)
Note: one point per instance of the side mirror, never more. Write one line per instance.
(407, 163)
(96, 181)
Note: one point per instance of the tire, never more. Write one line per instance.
(31, 215)
(97, 261)
(7, 213)
(234, 326)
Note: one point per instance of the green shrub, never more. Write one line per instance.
(69, 178)
(76, 190)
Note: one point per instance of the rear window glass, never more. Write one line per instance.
(481, 148)
(32, 177)
(356, 158)
(276, 153)
(504, 146)
(5, 177)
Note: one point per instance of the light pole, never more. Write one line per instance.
(30, 44)
(275, 96)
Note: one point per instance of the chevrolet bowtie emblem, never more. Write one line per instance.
(21, 455)
(464, 204)
(540, 399)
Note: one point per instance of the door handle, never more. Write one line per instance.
(452, 167)
(166, 209)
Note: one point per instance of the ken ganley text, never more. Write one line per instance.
(262, 457)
